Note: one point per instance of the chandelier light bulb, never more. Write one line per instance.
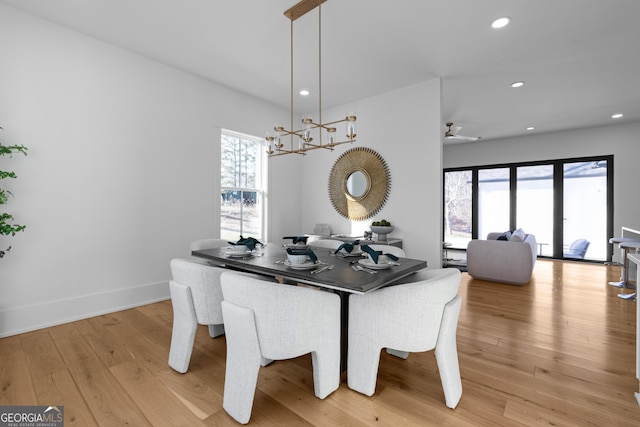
(331, 135)
(351, 125)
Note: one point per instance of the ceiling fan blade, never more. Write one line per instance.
(452, 133)
(464, 138)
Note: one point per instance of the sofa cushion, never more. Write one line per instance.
(505, 236)
(517, 236)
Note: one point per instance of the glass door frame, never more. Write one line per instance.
(558, 197)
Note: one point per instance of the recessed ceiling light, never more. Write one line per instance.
(304, 92)
(517, 84)
(501, 22)
(530, 128)
(617, 116)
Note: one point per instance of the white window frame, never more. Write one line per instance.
(261, 177)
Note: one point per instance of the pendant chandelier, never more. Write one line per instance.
(302, 140)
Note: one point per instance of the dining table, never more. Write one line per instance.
(342, 273)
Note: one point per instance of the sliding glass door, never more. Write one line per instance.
(457, 208)
(585, 210)
(534, 195)
(493, 201)
(566, 204)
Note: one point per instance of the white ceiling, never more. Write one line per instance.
(579, 58)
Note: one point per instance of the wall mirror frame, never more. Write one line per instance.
(359, 183)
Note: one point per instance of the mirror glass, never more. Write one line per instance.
(357, 184)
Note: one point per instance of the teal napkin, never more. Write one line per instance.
(249, 242)
(307, 252)
(375, 254)
(298, 239)
(347, 247)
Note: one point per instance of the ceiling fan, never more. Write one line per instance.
(452, 133)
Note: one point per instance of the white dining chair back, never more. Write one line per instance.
(266, 321)
(195, 296)
(208, 244)
(413, 317)
(388, 249)
(326, 243)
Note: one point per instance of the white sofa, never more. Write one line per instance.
(502, 261)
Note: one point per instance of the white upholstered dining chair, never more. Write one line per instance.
(197, 245)
(326, 243)
(412, 317)
(195, 297)
(265, 322)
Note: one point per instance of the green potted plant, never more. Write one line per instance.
(7, 226)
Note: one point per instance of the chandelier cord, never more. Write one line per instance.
(291, 89)
(320, 71)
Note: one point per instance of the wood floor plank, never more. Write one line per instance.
(16, 387)
(139, 344)
(109, 402)
(200, 389)
(78, 355)
(41, 353)
(369, 411)
(160, 406)
(418, 409)
(306, 405)
(111, 350)
(105, 396)
(59, 387)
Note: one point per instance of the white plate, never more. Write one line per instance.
(232, 254)
(307, 265)
(372, 265)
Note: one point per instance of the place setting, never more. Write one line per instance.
(305, 259)
(297, 242)
(375, 260)
(245, 248)
(347, 250)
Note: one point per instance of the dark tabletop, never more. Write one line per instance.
(342, 277)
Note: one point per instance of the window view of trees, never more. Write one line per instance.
(457, 208)
(241, 192)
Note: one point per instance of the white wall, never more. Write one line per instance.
(123, 167)
(403, 126)
(622, 140)
(121, 174)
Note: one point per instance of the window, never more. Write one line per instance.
(242, 187)
(566, 204)
(493, 200)
(457, 208)
(535, 204)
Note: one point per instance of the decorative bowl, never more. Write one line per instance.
(382, 231)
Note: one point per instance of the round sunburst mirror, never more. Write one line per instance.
(359, 183)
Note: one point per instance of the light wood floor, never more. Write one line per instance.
(559, 351)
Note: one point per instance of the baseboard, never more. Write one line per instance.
(37, 316)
